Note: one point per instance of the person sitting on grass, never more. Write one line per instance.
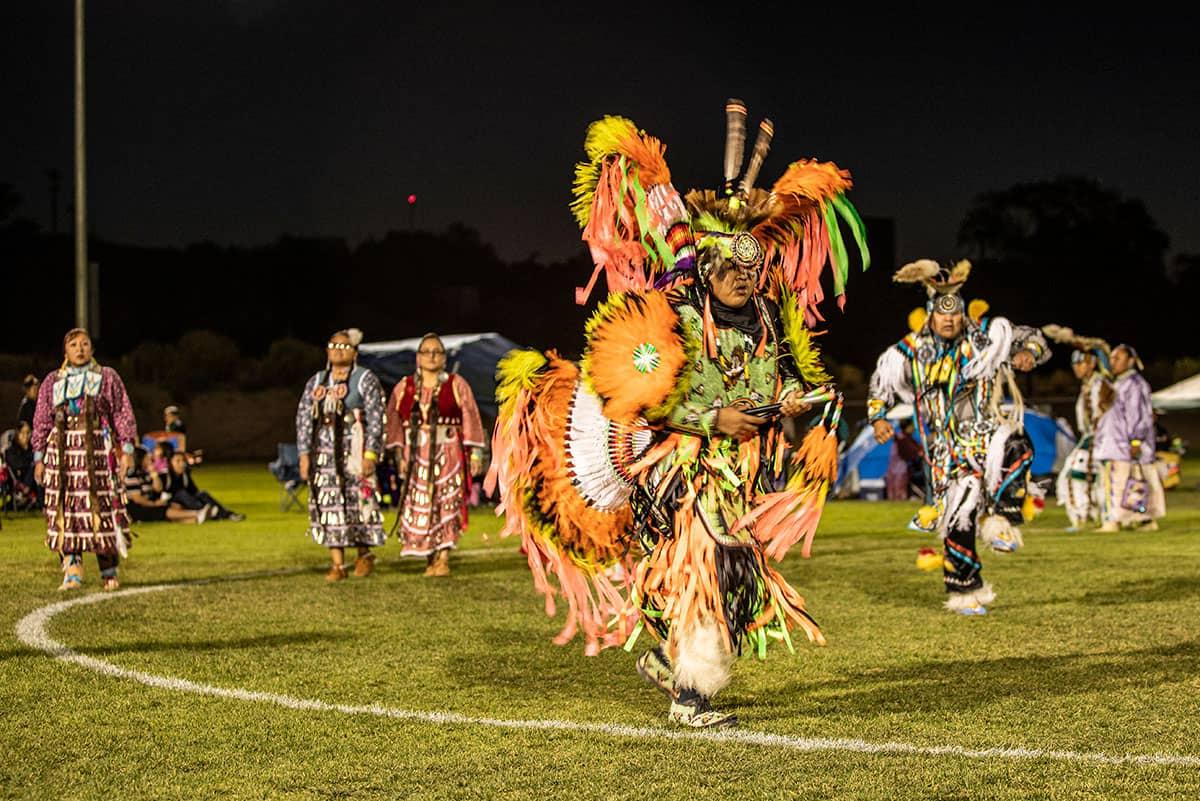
(183, 490)
(147, 503)
(18, 458)
(160, 465)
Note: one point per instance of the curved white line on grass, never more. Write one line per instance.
(31, 630)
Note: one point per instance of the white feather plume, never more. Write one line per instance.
(916, 272)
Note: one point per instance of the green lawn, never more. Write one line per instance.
(1093, 646)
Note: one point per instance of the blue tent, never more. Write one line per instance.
(865, 462)
(473, 356)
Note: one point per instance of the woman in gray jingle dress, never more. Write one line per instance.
(339, 434)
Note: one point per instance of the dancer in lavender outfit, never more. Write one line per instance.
(1131, 490)
(83, 438)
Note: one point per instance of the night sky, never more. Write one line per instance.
(238, 121)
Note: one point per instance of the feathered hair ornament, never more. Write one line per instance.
(1094, 346)
(644, 234)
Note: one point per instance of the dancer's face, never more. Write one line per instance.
(341, 352)
(947, 326)
(1121, 361)
(431, 355)
(733, 285)
(1084, 367)
(79, 350)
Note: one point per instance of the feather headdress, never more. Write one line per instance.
(642, 233)
(936, 279)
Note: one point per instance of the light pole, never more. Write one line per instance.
(81, 258)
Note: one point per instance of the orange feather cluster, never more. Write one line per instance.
(650, 155)
(816, 180)
(634, 355)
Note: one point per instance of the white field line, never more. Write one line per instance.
(31, 630)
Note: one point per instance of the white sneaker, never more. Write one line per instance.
(202, 515)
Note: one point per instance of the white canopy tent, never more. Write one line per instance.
(1184, 395)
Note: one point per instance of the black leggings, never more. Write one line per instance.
(199, 500)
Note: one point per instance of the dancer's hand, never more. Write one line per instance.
(733, 423)
(126, 463)
(39, 470)
(793, 405)
(883, 431)
(304, 467)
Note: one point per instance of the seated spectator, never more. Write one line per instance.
(173, 424)
(161, 463)
(18, 458)
(147, 502)
(183, 490)
(30, 386)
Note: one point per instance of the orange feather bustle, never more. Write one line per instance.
(571, 540)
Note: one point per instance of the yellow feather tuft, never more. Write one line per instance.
(587, 176)
(977, 308)
(604, 137)
(799, 339)
(518, 370)
(917, 318)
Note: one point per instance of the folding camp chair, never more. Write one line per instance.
(286, 469)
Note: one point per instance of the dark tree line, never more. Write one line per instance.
(1068, 251)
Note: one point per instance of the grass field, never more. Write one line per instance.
(1092, 649)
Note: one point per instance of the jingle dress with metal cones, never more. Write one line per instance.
(82, 424)
(337, 421)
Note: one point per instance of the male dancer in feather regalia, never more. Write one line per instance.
(653, 480)
(955, 370)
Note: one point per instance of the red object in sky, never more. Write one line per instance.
(412, 200)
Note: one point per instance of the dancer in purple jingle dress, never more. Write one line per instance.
(83, 438)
